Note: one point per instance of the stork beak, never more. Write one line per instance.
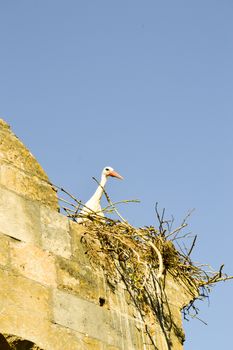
(113, 173)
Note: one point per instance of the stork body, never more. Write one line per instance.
(93, 204)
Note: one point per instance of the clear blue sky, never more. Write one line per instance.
(143, 86)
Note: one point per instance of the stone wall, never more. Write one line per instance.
(51, 297)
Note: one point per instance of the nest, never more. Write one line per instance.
(141, 258)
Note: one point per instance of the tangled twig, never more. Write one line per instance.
(141, 257)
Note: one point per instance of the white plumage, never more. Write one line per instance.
(93, 204)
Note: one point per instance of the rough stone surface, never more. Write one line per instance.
(22, 292)
(20, 172)
(4, 250)
(55, 232)
(85, 317)
(92, 344)
(78, 250)
(81, 280)
(26, 185)
(14, 151)
(178, 292)
(30, 326)
(34, 263)
(19, 218)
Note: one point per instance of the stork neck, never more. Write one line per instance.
(99, 192)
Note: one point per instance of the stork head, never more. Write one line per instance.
(109, 171)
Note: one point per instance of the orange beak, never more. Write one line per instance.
(115, 174)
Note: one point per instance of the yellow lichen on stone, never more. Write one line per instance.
(3, 124)
(13, 151)
(20, 171)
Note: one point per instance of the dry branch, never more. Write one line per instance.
(141, 257)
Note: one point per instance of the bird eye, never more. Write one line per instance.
(107, 169)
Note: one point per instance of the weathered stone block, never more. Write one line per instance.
(86, 317)
(55, 232)
(80, 280)
(30, 187)
(179, 293)
(110, 327)
(19, 218)
(24, 293)
(30, 326)
(34, 263)
(120, 300)
(60, 338)
(21, 322)
(79, 251)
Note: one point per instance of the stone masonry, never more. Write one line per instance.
(51, 298)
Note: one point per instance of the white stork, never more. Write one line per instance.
(93, 204)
